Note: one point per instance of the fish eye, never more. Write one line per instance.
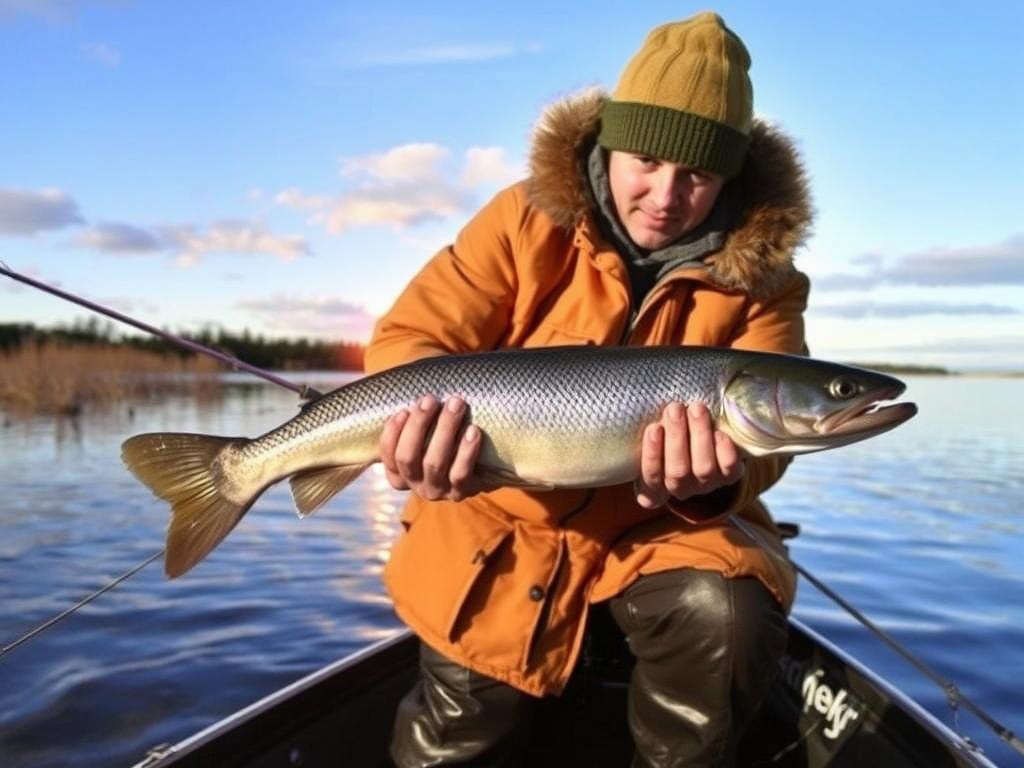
(843, 389)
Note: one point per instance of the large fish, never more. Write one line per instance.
(556, 417)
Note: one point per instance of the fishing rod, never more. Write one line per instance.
(305, 392)
(954, 695)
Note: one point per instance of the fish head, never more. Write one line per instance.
(782, 404)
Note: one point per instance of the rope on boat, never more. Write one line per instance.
(954, 696)
(80, 604)
(305, 392)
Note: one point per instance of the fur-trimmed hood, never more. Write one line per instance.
(776, 211)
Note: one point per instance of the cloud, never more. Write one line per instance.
(999, 264)
(29, 212)
(312, 315)
(399, 207)
(862, 309)
(405, 186)
(102, 53)
(396, 205)
(191, 243)
(53, 10)
(845, 281)
(296, 198)
(486, 166)
(995, 264)
(438, 54)
(120, 239)
(967, 345)
(992, 353)
(405, 163)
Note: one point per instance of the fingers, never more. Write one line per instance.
(462, 482)
(411, 442)
(678, 477)
(425, 449)
(650, 486)
(730, 463)
(387, 446)
(442, 446)
(684, 456)
(704, 460)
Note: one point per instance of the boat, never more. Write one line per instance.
(825, 709)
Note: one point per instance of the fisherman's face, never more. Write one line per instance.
(659, 201)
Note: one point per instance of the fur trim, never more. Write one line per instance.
(776, 215)
(556, 184)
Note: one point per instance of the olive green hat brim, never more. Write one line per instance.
(670, 134)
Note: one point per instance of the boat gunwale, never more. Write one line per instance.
(900, 699)
(167, 754)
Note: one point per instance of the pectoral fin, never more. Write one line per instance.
(311, 490)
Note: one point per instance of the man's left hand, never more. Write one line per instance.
(683, 455)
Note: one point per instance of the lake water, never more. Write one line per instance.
(920, 528)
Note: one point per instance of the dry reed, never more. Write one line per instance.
(52, 377)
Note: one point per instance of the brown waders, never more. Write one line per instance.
(706, 650)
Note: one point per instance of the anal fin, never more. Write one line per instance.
(312, 489)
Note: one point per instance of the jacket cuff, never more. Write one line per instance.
(709, 508)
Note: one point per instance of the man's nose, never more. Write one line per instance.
(668, 187)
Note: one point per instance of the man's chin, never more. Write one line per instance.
(654, 240)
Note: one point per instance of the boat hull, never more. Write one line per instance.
(824, 710)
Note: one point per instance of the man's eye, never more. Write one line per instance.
(646, 161)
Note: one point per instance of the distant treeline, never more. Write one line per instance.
(258, 350)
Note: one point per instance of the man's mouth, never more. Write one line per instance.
(659, 222)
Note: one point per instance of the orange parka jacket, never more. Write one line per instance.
(501, 582)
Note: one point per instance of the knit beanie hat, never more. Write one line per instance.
(685, 97)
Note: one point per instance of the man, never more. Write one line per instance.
(662, 215)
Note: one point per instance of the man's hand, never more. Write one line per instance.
(426, 450)
(683, 456)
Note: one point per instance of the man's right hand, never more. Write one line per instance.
(440, 467)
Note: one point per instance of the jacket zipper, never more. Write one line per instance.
(634, 320)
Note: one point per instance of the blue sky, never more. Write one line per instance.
(286, 167)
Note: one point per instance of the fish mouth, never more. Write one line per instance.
(867, 414)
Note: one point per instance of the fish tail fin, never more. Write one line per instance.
(179, 468)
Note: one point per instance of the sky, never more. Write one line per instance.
(287, 167)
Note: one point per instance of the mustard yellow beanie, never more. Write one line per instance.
(685, 97)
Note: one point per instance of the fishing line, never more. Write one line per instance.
(80, 604)
(954, 696)
(305, 392)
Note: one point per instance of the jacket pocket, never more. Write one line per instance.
(435, 563)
